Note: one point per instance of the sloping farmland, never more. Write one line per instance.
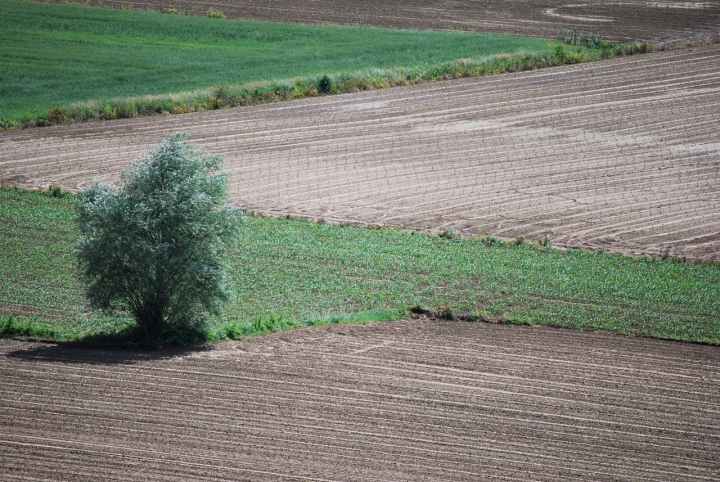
(622, 154)
(660, 21)
(412, 400)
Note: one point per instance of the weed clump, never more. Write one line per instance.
(447, 234)
(445, 311)
(544, 242)
(213, 13)
(58, 192)
(490, 241)
(592, 41)
(583, 39)
(28, 328)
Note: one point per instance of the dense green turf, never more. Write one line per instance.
(285, 271)
(55, 55)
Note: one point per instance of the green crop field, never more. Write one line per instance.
(287, 272)
(72, 62)
(63, 62)
(56, 55)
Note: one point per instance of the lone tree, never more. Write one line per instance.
(155, 247)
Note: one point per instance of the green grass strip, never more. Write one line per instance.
(64, 63)
(288, 273)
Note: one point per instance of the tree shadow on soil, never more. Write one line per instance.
(124, 348)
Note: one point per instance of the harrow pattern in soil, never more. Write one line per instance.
(621, 154)
(661, 22)
(414, 400)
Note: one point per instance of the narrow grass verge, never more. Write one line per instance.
(286, 273)
(259, 325)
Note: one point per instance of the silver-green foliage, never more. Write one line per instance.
(155, 247)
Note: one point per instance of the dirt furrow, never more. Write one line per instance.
(394, 401)
(525, 154)
(663, 21)
(442, 391)
(685, 388)
(525, 436)
(416, 444)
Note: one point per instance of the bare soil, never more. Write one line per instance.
(661, 21)
(413, 400)
(621, 154)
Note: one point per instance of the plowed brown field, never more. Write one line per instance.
(621, 154)
(659, 21)
(414, 400)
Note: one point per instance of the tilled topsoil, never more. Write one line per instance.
(411, 400)
(666, 22)
(622, 154)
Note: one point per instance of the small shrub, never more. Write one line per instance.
(324, 85)
(212, 13)
(171, 11)
(519, 241)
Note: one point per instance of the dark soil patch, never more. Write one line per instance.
(413, 400)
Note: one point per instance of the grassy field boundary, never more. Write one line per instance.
(229, 63)
(255, 93)
(286, 273)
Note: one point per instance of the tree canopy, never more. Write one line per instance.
(155, 246)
